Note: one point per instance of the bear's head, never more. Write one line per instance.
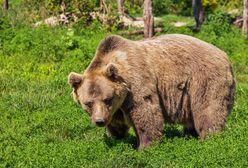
(100, 93)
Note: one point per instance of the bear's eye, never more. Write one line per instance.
(89, 104)
(108, 101)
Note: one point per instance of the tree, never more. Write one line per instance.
(198, 13)
(148, 19)
(245, 19)
(103, 7)
(5, 5)
(121, 7)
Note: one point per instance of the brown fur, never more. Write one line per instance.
(172, 78)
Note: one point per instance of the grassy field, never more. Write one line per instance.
(41, 126)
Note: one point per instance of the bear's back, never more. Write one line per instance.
(175, 54)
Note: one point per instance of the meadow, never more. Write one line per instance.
(41, 125)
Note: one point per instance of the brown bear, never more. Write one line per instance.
(142, 84)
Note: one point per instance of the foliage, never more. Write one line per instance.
(29, 11)
(210, 3)
(172, 7)
(232, 3)
(32, 11)
(218, 23)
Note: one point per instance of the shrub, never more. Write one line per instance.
(172, 7)
(218, 23)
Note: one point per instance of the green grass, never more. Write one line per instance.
(41, 126)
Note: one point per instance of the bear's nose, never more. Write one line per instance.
(100, 122)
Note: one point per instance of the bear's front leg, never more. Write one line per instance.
(148, 120)
(117, 128)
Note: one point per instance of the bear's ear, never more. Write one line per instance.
(111, 71)
(75, 79)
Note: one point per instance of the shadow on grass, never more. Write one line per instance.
(169, 132)
(112, 142)
(172, 132)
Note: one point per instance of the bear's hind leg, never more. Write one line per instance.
(211, 104)
(209, 122)
(204, 126)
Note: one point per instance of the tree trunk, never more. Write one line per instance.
(148, 19)
(5, 5)
(103, 7)
(198, 13)
(121, 7)
(245, 19)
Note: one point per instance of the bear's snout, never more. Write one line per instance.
(100, 115)
(100, 122)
